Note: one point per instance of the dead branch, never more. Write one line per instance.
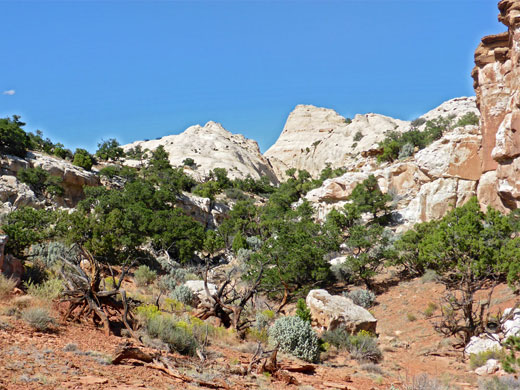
(85, 296)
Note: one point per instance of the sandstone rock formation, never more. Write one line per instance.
(211, 146)
(10, 266)
(497, 84)
(335, 311)
(314, 137)
(424, 186)
(210, 214)
(14, 193)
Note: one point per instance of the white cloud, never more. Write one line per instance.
(9, 92)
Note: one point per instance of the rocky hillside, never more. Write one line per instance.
(314, 137)
(211, 146)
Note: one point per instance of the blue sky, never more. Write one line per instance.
(83, 71)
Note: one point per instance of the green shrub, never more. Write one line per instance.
(337, 337)
(411, 317)
(477, 360)
(182, 294)
(40, 180)
(358, 136)
(13, 139)
(109, 150)
(6, 285)
(295, 336)
(469, 118)
(189, 162)
(302, 311)
(48, 290)
(178, 338)
(430, 309)
(83, 159)
(361, 297)
(38, 318)
(144, 276)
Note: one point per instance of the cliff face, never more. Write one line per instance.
(497, 84)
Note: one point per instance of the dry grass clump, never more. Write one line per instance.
(38, 318)
(6, 285)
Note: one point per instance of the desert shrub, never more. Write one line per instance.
(51, 253)
(188, 162)
(146, 312)
(182, 294)
(423, 382)
(430, 309)
(337, 337)
(469, 118)
(358, 136)
(236, 194)
(244, 255)
(477, 360)
(430, 276)
(372, 368)
(177, 337)
(363, 347)
(500, 383)
(6, 285)
(38, 318)
(411, 317)
(361, 297)
(83, 159)
(418, 122)
(295, 336)
(263, 319)
(254, 243)
(343, 272)
(406, 150)
(144, 275)
(302, 311)
(40, 180)
(49, 289)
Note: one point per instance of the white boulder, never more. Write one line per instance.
(336, 311)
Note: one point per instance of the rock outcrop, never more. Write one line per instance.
(424, 187)
(211, 146)
(14, 194)
(497, 84)
(314, 137)
(335, 311)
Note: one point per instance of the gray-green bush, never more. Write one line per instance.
(144, 275)
(182, 294)
(295, 336)
(361, 297)
(38, 318)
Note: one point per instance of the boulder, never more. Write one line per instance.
(478, 345)
(199, 292)
(335, 311)
(511, 325)
(491, 366)
(203, 210)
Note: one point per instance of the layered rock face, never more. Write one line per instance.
(211, 146)
(497, 85)
(314, 137)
